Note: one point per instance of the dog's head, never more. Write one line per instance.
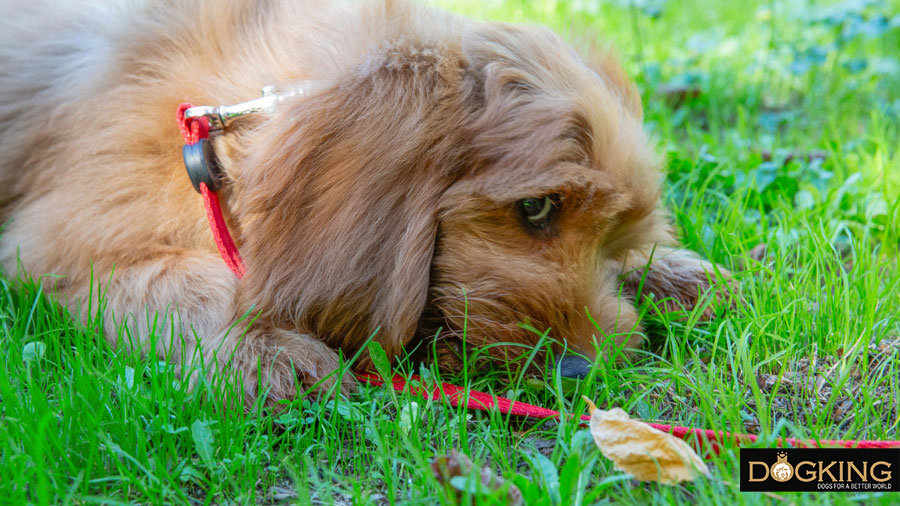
(469, 178)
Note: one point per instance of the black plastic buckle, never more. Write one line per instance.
(201, 165)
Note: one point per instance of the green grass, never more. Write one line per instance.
(807, 352)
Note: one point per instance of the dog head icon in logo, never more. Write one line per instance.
(781, 470)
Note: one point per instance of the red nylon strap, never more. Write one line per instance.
(700, 438)
(194, 129)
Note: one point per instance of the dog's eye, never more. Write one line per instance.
(538, 210)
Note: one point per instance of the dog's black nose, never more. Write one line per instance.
(573, 366)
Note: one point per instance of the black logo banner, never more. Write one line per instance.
(824, 469)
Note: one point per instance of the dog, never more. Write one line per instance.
(444, 178)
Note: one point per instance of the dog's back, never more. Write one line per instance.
(88, 92)
(50, 59)
(74, 75)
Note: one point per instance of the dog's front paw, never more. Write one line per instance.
(678, 281)
(281, 365)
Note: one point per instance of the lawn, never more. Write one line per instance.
(780, 126)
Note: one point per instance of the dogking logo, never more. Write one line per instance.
(781, 470)
(823, 469)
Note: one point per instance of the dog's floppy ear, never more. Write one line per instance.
(338, 206)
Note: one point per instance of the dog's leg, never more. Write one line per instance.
(677, 277)
(183, 303)
(279, 364)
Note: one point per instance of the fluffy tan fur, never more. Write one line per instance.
(385, 201)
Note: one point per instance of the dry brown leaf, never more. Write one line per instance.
(455, 464)
(640, 450)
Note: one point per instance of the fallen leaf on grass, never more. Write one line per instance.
(640, 450)
(456, 469)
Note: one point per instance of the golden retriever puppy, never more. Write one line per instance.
(439, 176)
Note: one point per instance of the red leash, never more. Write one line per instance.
(700, 438)
(194, 130)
